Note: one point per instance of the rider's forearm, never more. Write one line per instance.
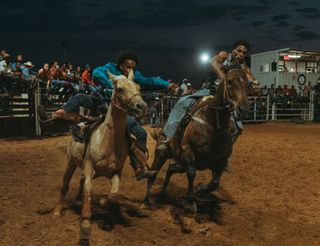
(217, 69)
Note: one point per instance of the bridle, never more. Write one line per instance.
(227, 106)
(118, 102)
(227, 103)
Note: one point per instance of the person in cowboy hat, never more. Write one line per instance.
(29, 76)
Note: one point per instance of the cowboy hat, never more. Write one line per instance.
(28, 64)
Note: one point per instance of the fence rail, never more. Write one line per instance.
(263, 108)
(18, 114)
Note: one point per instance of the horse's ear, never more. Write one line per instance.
(131, 75)
(113, 77)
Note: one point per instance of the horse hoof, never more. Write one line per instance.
(56, 213)
(161, 198)
(85, 229)
(78, 203)
(107, 227)
(202, 189)
(145, 206)
(192, 208)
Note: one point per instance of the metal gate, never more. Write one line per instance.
(17, 116)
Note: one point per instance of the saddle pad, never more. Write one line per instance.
(83, 135)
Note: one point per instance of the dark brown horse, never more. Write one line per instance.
(206, 141)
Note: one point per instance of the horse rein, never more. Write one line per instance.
(226, 92)
(124, 108)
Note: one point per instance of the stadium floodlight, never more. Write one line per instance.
(204, 58)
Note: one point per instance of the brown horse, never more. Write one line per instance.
(206, 141)
(107, 150)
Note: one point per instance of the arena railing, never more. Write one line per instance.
(262, 108)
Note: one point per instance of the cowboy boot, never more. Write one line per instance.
(57, 119)
(138, 159)
(164, 144)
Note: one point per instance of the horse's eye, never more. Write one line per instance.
(120, 90)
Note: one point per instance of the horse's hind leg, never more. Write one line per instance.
(71, 167)
(159, 160)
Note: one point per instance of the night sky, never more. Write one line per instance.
(169, 35)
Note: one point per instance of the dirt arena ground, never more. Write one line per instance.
(271, 196)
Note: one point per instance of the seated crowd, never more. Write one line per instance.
(16, 76)
(292, 91)
(63, 80)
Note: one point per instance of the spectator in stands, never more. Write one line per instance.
(77, 74)
(292, 91)
(63, 72)
(300, 91)
(257, 91)
(271, 91)
(17, 65)
(204, 84)
(154, 115)
(87, 79)
(70, 72)
(44, 72)
(4, 64)
(285, 90)
(56, 64)
(251, 91)
(184, 87)
(4, 68)
(176, 88)
(307, 89)
(190, 90)
(27, 69)
(278, 91)
(264, 91)
(29, 76)
(2, 54)
(57, 77)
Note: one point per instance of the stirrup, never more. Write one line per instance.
(163, 146)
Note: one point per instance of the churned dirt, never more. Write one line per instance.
(271, 196)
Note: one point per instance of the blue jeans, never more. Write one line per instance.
(137, 130)
(179, 111)
(81, 100)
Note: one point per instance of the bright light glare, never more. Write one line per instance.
(204, 58)
(294, 56)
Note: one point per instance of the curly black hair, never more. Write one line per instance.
(127, 54)
(243, 42)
